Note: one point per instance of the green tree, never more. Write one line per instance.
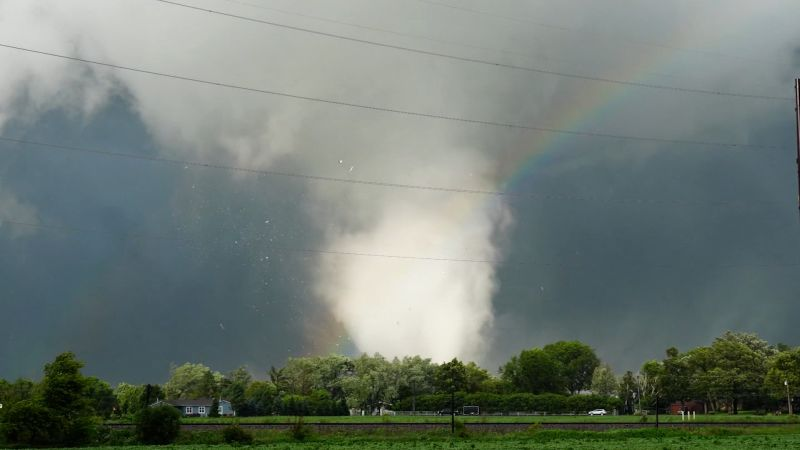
(192, 381)
(475, 377)
(234, 386)
(604, 382)
(65, 392)
(740, 367)
(215, 408)
(101, 397)
(371, 382)
(129, 398)
(701, 363)
(534, 371)
(650, 382)
(628, 392)
(260, 397)
(29, 423)
(417, 377)
(577, 361)
(19, 390)
(784, 367)
(451, 376)
(676, 377)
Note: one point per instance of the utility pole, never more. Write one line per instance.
(453, 411)
(797, 124)
(657, 410)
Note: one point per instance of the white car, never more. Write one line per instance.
(598, 412)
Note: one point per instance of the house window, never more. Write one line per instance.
(201, 409)
(189, 410)
(221, 410)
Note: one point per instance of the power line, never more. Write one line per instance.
(507, 125)
(594, 34)
(384, 184)
(480, 61)
(413, 36)
(288, 249)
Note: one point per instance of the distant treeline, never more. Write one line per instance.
(738, 370)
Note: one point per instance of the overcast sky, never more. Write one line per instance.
(630, 245)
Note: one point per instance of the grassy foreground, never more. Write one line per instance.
(706, 438)
(714, 418)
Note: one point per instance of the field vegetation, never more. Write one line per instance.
(707, 438)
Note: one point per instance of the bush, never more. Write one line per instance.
(196, 439)
(235, 434)
(299, 430)
(114, 438)
(158, 425)
(504, 403)
(461, 429)
(28, 423)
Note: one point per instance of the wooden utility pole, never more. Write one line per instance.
(797, 124)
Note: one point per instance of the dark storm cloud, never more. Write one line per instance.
(634, 267)
(131, 305)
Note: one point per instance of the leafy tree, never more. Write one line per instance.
(101, 396)
(330, 370)
(496, 386)
(603, 381)
(628, 391)
(740, 366)
(299, 376)
(701, 363)
(260, 397)
(19, 390)
(534, 371)
(277, 379)
(129, 398)
(192, 381)
(64, 391)
(475, 377)
(784, 367)
(417, 377)
(371, 382)
(29, 423)
(451, 376)
(234, 386)
(577, 361)
(650, 382)
(214, 408)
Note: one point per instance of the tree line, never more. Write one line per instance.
(736, 371)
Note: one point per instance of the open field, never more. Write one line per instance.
(708, 438)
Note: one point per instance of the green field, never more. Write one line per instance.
(714, 418)
(708, 438)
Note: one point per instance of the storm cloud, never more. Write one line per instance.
(631, 246)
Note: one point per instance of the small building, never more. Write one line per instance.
(198, 407)
(695, 406)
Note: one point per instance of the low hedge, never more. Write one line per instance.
(505, 403)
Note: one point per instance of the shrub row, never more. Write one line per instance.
(319, 403)
(504, 403)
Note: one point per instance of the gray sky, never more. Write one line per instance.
(629, 245)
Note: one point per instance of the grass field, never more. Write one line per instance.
(707, 438)
(714, 418)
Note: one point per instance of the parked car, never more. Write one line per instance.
(598, 412)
